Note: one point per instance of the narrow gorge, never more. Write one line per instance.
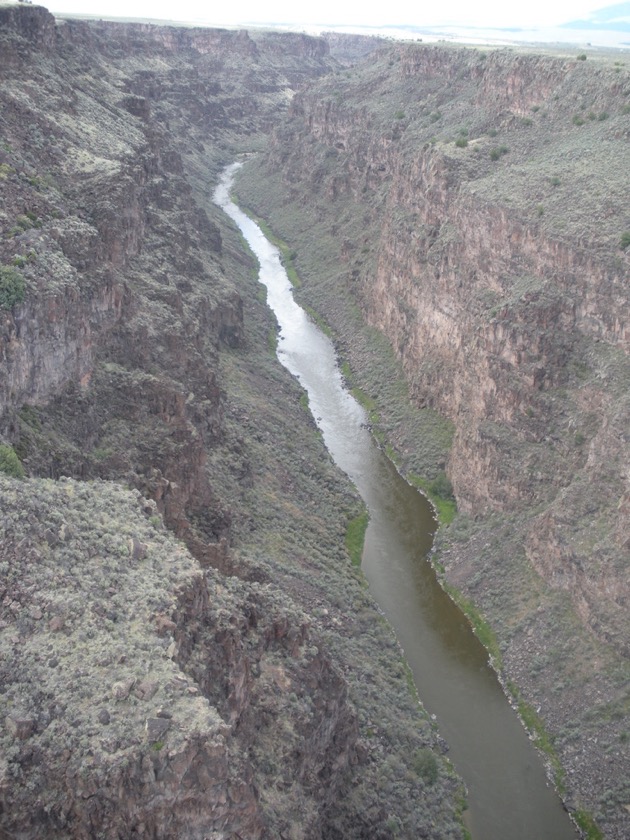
(186, 649)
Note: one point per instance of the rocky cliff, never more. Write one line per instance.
(471, 207)
(239, 682)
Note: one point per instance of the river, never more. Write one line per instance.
(509, 795)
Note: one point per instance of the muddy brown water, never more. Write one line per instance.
(509, 796)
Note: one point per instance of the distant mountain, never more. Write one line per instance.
(615, 18)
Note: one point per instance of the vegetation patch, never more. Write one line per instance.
(480, 626)
(426, 766)
(316, 318)
(355, 537)
(587, 824)
(272, 340)
(498, 152)
(542, 739)
(12, 287)
(440, 492)
(10, 463)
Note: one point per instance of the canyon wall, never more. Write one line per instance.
(239, 682)
(471, 207)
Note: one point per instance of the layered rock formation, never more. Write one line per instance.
(471, 207)
(240, 683)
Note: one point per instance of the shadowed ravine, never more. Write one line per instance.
(509, 795)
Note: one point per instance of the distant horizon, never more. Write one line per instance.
(536, 14)
(584, 23)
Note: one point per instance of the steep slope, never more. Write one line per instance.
(241, 682)
(471, 207)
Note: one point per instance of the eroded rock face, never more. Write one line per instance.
(472, 206)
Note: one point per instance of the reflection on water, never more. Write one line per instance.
(509, 797)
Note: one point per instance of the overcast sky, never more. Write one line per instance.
(483, 13)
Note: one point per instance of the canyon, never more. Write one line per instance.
(456, 203)
(185, 647)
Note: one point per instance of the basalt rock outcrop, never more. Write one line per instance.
(471, 206)
(240, 682)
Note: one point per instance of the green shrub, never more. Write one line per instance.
(461, 142)
(9, 462)
(441, 486)
(625, 240)
(25, 222)
(19, 261)
(498, 152)
(425, 765)
(581, 57)
(578, 119)
(12, 287)
(444, 505)
(393, 826)
(400, 115)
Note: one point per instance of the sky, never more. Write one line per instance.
(482, 13)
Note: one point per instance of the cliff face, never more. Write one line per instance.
(473, 205)
(152, 688)
(120, 263)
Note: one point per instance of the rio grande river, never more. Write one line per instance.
(509, 797)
